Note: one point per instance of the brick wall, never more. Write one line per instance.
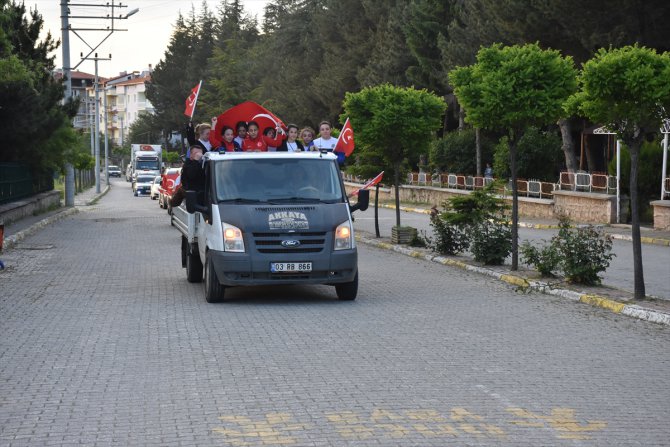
(661, 214)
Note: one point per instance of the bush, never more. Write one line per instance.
(580, 253)
(456, 152)
(539, 156)
(491, 242)
(477, 220)
(448, 239)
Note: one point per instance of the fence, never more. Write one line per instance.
(589, 182)
(528, 188)
(17, 181)
(666, 189)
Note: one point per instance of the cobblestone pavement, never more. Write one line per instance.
(104, 342)
(655, 258)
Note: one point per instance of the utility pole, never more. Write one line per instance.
(69, 169)
(65, 15)
(104, 107)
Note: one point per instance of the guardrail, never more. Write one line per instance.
(589, 182)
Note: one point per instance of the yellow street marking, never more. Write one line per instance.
(270, 431)
(605, 303)
(561, 420)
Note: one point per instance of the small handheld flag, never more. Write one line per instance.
(192, 100)
(345, 142)
(372, 182)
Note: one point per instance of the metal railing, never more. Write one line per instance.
(17, 181)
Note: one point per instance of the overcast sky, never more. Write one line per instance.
(145, 41)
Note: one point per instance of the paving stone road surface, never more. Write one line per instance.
(104, 342)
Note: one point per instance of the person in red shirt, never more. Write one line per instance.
(228, 144)
(254, 142)
(272, 141)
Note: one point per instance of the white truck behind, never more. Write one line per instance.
(145, 159)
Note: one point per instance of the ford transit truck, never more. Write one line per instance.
(270, 218)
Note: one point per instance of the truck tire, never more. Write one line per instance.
(214, 290)
(193, 265)
(184, 251)
(347, 291)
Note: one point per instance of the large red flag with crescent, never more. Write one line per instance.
(345, 142)
(192, 100)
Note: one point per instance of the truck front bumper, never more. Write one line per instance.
(243, 269)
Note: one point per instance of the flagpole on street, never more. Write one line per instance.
(195, 101)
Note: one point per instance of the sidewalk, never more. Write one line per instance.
(616, 231)
(16, 231)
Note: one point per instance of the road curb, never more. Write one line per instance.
(621, 237)
(602, 302)
(11, 241)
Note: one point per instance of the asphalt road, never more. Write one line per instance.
(655, 258)
(104, 342)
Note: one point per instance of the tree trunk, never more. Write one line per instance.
(478, 150)
(397, 194)
(461, 118)
(377, 210)
(634, 147)
(568, 145)
(515, 201)
(590, 159)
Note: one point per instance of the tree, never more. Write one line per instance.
(511, 88)
(627, 90)
(34, 124)
(393, 124)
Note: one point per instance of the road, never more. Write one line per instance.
(104, 342)
(655, 258)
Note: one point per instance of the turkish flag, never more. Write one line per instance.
(345, 142)
(192, 100)
(372, 182)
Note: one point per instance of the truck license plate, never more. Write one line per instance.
(290, 267)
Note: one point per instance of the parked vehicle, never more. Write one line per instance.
(165, 192)
(270, 218)
(142, 184)
(114, 171)
(155, 186)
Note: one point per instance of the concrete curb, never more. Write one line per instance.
(11, 241)
(621, 237)
(539, 286)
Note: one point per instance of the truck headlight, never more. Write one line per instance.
(344, 237)
(232, 238)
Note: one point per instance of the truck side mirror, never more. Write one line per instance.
(363, 201)
(192, 204)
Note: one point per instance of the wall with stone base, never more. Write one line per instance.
(579, 206)
(661, 214)
(13, 211)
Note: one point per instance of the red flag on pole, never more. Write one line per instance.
(192, 100)
(372, 182)
(345, 142)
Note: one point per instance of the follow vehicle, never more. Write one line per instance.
(270, 218)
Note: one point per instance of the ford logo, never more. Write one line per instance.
(290, 243)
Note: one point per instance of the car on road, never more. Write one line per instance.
(155, 188)
(114, 171)
(142, 185)
(168, 187)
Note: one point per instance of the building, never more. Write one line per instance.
(81, 82)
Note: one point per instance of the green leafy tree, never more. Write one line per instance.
(392, 125)
(454, 153)
(34, 124)
(512, 88)
(539, 156)
(145, 129)
(627, 90)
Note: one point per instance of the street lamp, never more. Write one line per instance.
(131, 12)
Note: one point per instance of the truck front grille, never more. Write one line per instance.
(310, 242)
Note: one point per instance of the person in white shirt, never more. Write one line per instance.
(325, 141)
(291, 143)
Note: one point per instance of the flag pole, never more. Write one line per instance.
(195, 101)
(339, 137)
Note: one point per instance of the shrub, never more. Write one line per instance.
(579, 253)
(456, 152)
(539, 156)
(545, 259)
(491, 242)
(448, 239)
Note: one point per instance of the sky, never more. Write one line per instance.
(144, 43)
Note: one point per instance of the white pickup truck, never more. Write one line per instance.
(270, 218)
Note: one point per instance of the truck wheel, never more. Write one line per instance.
(184, 251)
(193, 266)
(214, 290)
(347, 291)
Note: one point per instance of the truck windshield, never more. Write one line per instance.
(278, 181)
(147, 164)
